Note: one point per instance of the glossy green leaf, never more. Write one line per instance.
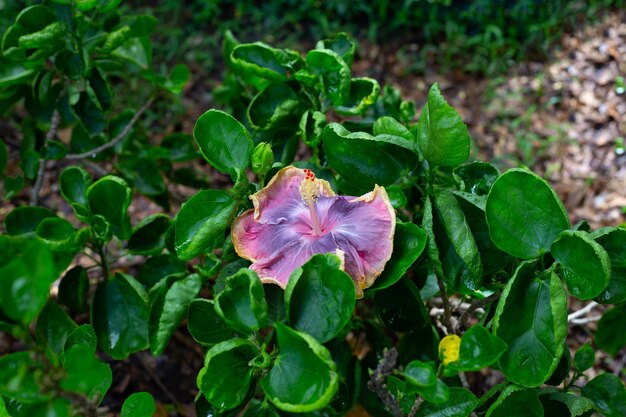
(442, 136)
(524, 214)
(585, 357)
(262, 60)
(201, 220)
(571, 405)
(18, 377)
(223, 142)
(158, 267)
(460, 403)
(428, 224)
(242, 302)
(363, 95)
(516, 401)
(148, 237)
(562, 370)
(461, 240)
(613, 240)
(312, 126)
(205, 325)
(25, 281)
(120, 316)
(85, 373)
(53, 328)
(333, 74)
(24, 220)
(139, 404)
(168, 308)
(438, 393)
(259, 409)
(608, 394)
(59, 235)
(387, 125)
(320, 297)
(73, 183)
(44, 38)
(262, 159)
(340, 44)
(611, 336)
(303, 377)
(178, 79)
(584, 264)
(12, 73)
(137, 51)
(409, 241)
(476, 177)
(531, 318)
(364, 160)
(478, 349)
(110, 198)
(400, 307)
(83, 335)
(90, 114)
(226, 376)
(277, 105)
(421, 374)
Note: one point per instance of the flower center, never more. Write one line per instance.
(309, 191)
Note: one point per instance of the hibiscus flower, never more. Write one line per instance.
(297, 216)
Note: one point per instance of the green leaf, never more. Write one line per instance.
(24, 220)
(86, 374)
(44, 38)
(12, 73)
(70, 64)
(180, 147)
(262, 159)
(201, 220)
(85, 5)
(363, 95)
(431, 245)
(341, 44)
(575, 406)
(223, 141)
(585, 357)
(276, 106)
(461, 240)
(205, 325)
(516, 401)
(320, 297)
(442, 136)
(120, 315)
(158, 267)
(226, 376)
(19, 376)
(311, 127)
(613, 240)
(531, 318)
(148, 237)
(524, 214)
(59, 235)
(262, 60)
(476, 177)
(364, 160)
(143, 25)
(90, 114)
(584, 264)
(137, 51)
(303, 377)
(608, 394)
(25, 281)
(259, 409)
(387, 125)
(409, 242)
(460, 403)
(139, 404)
(478, 349)
(110, 198)
(101, 89)
(242, 303)
(83, 335)
(168, 308)
(400, 307)
(333, 74)
(53, 328)
(420, 374)
(611, 336)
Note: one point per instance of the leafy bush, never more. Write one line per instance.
(347, 322)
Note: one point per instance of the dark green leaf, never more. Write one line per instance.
(24, 220)
(524, 214)
(223, 141)
(258, 409)
(139, 404)
(261, 60)
(201, 220)
(276, 106)
(478, 349)
(341, 44)
(205, 326)
(83, 335)
(460, 403)
(442, 136)
(70, 64)
(180, 147)
(86, 374)
(431, 244)
(110, 198)
(242, 303)
(143, 25)
(168, 308)
(613, 240)
(12, 73)
(585, 357)
(18, 372)
(400, 307)
(120, 315)
(137, 51)
(611, 336)
(303, 377)
(60, 236)
(47, 37)
(420, 374)
(387, 125)
(158, 267)
(531, 318)
(574, 405)
(363, 95)
(364, 160)
(333, 74)
(516, 401)
(101, 89)
(320, 297)
(90, 114)
(148, 237)
(226, 376)
(608, 394)
(53, 328)
(476, 177)
(585, 265)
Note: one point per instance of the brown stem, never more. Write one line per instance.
(377, 382)
(416, 406)
(54, 125)
(92, 153)
(447, 313)
(475, 306)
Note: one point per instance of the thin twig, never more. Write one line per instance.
(95, 168)
(416, 406)
(54, 125)
(586, 309)
(447, 314)
(585, 320)
(158, 380)
(115, 140)
(377, 382)
(475, 306)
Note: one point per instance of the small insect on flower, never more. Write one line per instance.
(298, 215)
